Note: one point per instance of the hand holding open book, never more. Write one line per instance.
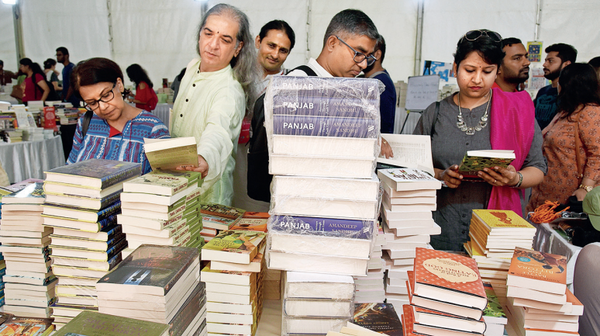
(175, 154)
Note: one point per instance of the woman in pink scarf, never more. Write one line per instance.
(478, 118)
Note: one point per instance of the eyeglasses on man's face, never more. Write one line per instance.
(105, 98)
(358, 56)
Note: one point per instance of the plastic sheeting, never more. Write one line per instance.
(161, 35)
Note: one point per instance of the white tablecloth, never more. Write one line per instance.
(162, 112)
(548, 240)
(29, 159)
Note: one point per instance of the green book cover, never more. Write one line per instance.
(90, 323)
(233, 241)
(493, 311)
(476, 161)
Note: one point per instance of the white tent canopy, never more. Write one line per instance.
(160, 35)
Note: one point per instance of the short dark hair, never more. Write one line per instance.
(595, 62)
(351, 21)
(566, 52)
(63, 50)
(49, 63)
(1, 62)
(510, 41)
(380, 45)
(95, 70)
(489, 49)
(137, 74)
(578, 86)
(278, 25)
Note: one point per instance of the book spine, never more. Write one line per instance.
(325, 126)
(121, 176)
(114, 241)
(322, 226)
(326, 107)
(110, 210)
(114, 261)
(114, 231)
(107, 222)
(341, 88)
(117, 248)
(187, 312)
(110, 199)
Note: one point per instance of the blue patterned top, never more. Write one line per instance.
(127, 146)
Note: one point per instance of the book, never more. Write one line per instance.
(502, 222)
(97, 255)
(31, 194)
(324, 106)
(448, 277)
(75, 190)
(442, 320)
(157, 199)
(317, 263)
(229, 277)
(74, 224)
(408, 179)
(314, 244)
(82, 202)
(150, 269)
(379, 317)
(411, 151)
(220, 217)
(476, 160)
(298, 145)
(90, 323)
(322, 166)
(307, 326)
(303, 125)
(337, 208)
(493, 312)
(253, 221)
(329, 188)
(254, 266)
(81, 214)
(25, 326)
(234, 246)
(332, 227)
(168, 154)
(166, 183)
(541, 271)
(94, 173)
(317, 307)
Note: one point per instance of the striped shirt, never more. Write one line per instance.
(127, 146)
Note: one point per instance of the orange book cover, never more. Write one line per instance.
(447, 270)
(501, 219)
(408, 320)
(538, 266)
(572, 299)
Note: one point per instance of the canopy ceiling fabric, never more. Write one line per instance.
(161, 35)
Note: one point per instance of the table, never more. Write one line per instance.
(162, 111)
(29, 159)
(548, 240)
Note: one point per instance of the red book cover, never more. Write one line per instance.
(408, 320)
(49, 117)
(447, 271)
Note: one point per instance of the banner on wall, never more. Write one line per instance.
(442, 69)
(534, 48)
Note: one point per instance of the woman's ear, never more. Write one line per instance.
(120, 85)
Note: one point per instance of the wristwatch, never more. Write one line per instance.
(587, 188)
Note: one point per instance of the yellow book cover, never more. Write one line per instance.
(502, 219)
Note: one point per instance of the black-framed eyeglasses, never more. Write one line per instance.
(107, 97)
(358, 56)
(474, 35)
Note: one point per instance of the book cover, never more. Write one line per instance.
(82, 201)
(324, 106)
(325, 87)
(82, 214)
(474, 161)
(379, 317)
(324, 126)
(223, 211)
(68, 223)
(168, 154)
(90, 323)
(322, 226)
(493, 312)
(166, 183)
(448, 271)
(97, 173)
(501, 219)
(236, 242)
(23, 326)
(547, 268)
(31, 194)
(152, 265)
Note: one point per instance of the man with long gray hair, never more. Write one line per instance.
(213, 96)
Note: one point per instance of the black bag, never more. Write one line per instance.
(259, 179)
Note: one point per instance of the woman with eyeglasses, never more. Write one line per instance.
(116, 129)
(478, 118)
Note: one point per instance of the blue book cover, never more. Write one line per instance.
(326, 106)
(333, 227)
(285, 124)
(343, 88)
(77, 213)
(96, 173)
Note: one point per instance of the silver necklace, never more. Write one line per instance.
(482, 121)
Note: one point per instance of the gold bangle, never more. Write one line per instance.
(587, 188)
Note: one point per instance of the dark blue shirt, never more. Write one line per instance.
(545, 105)
(66, 76)
(387, 103)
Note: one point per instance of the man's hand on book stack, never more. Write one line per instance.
(202, 167)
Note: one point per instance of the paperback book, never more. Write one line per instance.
(94, 173)
(476, 161)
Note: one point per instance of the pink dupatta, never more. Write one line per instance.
(512, 119)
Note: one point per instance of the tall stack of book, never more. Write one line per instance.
(82, 203)
(217, 218)
(3, 192)
(29, 281)
(162, 207)
(494, 235)
(316, 303)
(157, 283)
(446, 295)
(539, 302)
(233, 280)
(409, 197)
(371, 288)
(323, 143)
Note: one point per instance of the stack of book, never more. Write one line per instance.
(82, 203)
(446, 295)
(494, 235)
(233, 280)
(316, 303)
(539, 302)
(29, 281)
(217, 218)
(97, 324)
(371, 288)
(409, 197)
(162, 207)
(157, 284)
(3, 192)
(493, 315)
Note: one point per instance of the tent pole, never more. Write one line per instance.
(419, 37)
(18, 26)
(308, 9)
(110, 29)
(538, 19)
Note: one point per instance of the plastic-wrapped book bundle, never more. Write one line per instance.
(409, 197)
(323, 142)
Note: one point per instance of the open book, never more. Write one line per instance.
(410, 151)
(168, 154)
